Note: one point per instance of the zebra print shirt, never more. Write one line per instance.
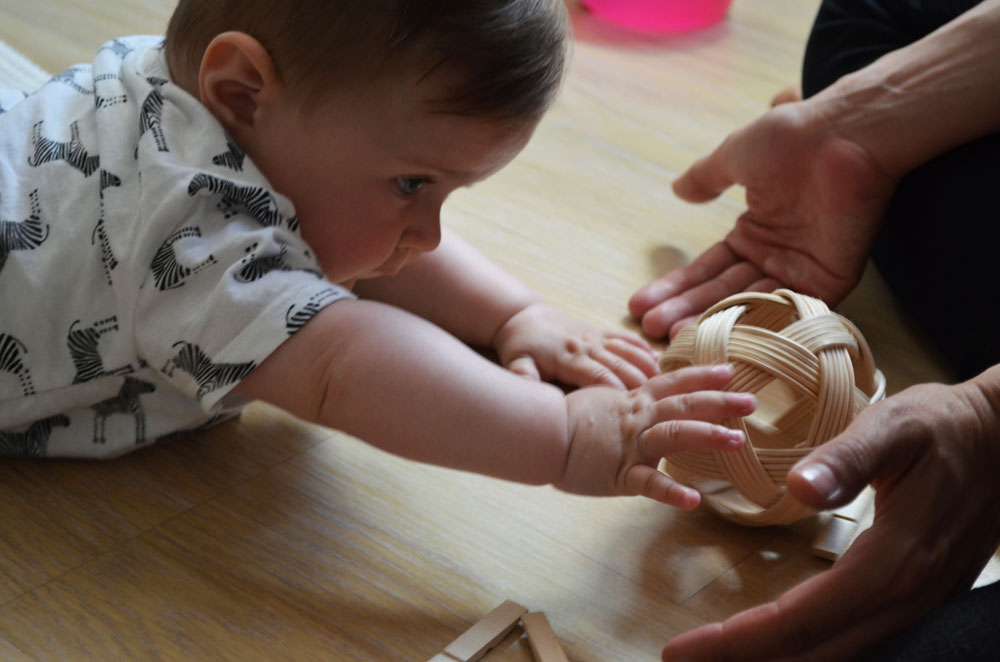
(145, 265)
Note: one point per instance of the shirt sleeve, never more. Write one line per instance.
(226, 287)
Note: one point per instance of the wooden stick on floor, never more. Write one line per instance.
(844, 525)
(542, 640)
(473, 644)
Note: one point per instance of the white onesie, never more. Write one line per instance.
(146, 266)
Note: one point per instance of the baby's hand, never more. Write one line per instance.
(544, 343)
(617, 439)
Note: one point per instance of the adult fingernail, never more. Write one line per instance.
(823, 482)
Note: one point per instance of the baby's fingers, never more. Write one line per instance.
(688, 380)
(622, 366)
(675, 436)
(705, 406)
(648, 482)
(637, 357)
(524, 366)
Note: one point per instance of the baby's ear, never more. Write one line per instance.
(237, 78)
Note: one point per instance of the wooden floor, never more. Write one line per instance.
(266, 539)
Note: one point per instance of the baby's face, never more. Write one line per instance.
(368, 175)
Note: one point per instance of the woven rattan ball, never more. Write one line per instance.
(812, 372)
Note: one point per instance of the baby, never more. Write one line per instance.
(250, 210)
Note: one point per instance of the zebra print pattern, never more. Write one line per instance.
(118, 47)
(26, 235)
(208, 375)
(101, 101)
(296, 317)
(256, 201)
(73, 152)
(126, 402)
(12, 353)
(84, 350)
(151, 114)
(68, 78)
(168, 273)
(255, 268)
(232, 158)
(108, 259)
(34, 441)
(109, 180)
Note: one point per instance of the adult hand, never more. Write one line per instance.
(931, 453)
(814, 201)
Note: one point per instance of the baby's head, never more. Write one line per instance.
(368, 113)
(507, 56)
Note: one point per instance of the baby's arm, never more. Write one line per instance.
(404, 385)
(455, 287)
(459, 289)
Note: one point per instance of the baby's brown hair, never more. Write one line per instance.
(510, 55)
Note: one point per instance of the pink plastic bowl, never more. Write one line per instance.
(661, 15)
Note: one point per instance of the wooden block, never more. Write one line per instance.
(834, 539)
(442, 657)
(487, 633)
(542, 640)
(844, 525)
(858, 509)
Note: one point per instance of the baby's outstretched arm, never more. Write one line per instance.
(407, 387)
(459, 289)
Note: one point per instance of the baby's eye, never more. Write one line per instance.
(409, 185)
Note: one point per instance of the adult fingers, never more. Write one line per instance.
(735, 278)
(807, 616)
(680, 325)
(707, 177)
(706, 266)
(762, 285)
(878, 587)
(787, 95)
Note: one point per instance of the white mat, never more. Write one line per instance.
(18, 72)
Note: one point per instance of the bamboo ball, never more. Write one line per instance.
(812, 373)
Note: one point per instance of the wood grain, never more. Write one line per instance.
(269, 539)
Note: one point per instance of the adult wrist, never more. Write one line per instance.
(866, 113)
(916, 103)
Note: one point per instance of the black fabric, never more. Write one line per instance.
(937, 246)
(966, 629)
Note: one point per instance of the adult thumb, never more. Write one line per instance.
(705, 180)
(834, 474)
